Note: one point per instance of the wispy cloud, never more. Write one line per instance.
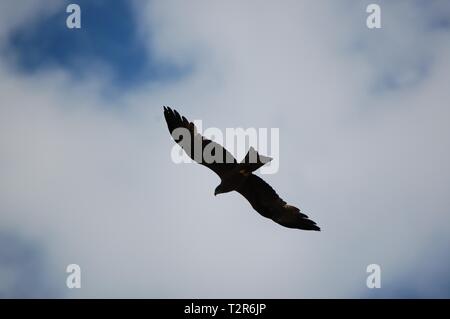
(24, 269)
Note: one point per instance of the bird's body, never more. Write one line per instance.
(233, 179)
(236, 176)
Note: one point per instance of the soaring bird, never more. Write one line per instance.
(236, 176)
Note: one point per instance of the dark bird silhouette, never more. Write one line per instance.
(236, 176)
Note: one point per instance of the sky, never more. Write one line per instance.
(86, 175)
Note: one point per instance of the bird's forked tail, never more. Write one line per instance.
(253, 161)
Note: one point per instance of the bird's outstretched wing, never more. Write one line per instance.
(266, 201)
(197, 147)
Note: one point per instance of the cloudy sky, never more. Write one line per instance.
(86, 175)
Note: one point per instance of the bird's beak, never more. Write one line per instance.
(215, 193)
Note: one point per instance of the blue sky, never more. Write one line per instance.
(109, 36)
(364, 148)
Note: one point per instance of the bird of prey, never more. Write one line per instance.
(236, 176)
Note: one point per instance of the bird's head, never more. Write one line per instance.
(219, 190)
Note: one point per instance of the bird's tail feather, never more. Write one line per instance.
(253, 161)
